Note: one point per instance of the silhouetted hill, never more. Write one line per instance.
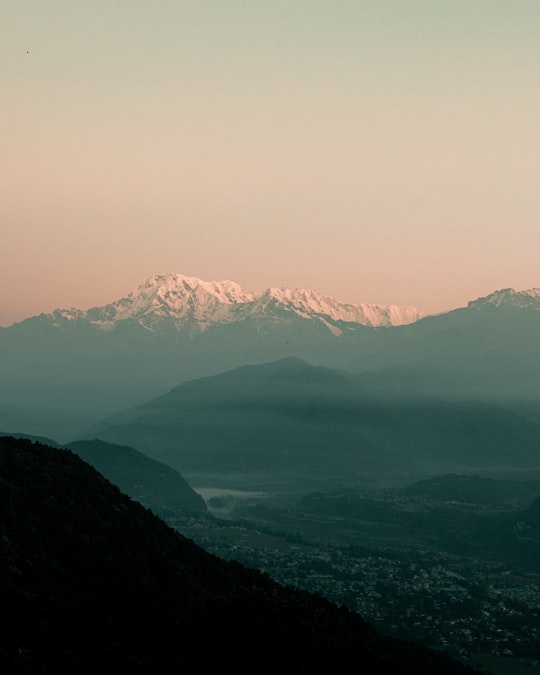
(92, 581)
(64, 371)
(316, 426)
(486, 350)
(40, 439)
(152, 483)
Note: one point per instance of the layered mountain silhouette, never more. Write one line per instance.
(487, 350)
(90, 363)
(152, 483)
(63, 371)
(310, 427)
(91, 580)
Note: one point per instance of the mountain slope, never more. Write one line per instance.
(189, 301)
(487, 350)
(294, 424)
(508, 297)
(64, 370)
(91, 580)
(152, 483)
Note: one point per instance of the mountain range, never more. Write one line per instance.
(486, 351)
(291, 426)
(64, 371)
(189, 303)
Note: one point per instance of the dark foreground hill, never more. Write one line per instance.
(90, 580)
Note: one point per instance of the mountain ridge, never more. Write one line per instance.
(319, 426)
(185, 299)
(190, 300)
(154, 484)
(64, 371)
(529, 298)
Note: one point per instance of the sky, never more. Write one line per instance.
(376, 151)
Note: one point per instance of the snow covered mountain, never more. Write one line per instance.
(508, 297)
(195, 305)
(63, 371)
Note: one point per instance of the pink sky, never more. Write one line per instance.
(379, 152)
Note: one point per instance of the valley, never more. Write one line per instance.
(441, 581)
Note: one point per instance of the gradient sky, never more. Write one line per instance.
(376, 151)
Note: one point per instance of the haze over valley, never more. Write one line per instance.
(173, 328)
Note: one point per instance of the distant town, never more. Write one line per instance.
(481, 612)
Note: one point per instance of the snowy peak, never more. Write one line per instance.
(508, 297)
(172, 291)
(178, 285)
(174, 296)
(310, 304)
(192, 304)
